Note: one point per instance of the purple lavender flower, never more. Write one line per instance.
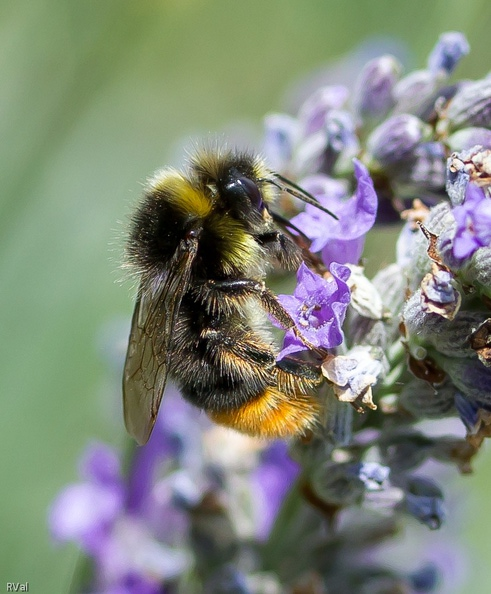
(86, 511)
(273, 477)
(473, 220)
(318, 307)
(133, 529)
(340, 240)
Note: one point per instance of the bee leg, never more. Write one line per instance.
(251, 288)
(303, 369)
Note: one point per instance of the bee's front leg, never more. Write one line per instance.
(229, 292)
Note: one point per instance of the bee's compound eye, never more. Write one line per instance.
(251, 189)
(240, 185)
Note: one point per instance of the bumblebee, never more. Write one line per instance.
(200, 244)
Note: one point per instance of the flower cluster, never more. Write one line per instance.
(168, 515)
(199, 509)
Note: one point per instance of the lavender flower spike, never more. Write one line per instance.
(405, 396)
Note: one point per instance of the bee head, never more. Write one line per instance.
(235, 181)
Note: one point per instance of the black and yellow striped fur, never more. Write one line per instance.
(201, 243)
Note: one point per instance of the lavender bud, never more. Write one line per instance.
(281, 135)
(427, 168)
(309, 154)
(425, 579)
(471, 106)
(449, 50)
(473, 165)
(405, 450)
(341, 140)
(466, 138)
(312, 114)
(373, 92)
(391, 283)
(365, 331)
(425, 401)
(344, 484)
(338, 484)
(412, 245)
(413, 92)
(396, 139)
(424, 501)
(457, 180)
(478, 273)
(420, 324)
(438, 294)
(365, 299)
(453, 338)
(439, 218)
(472, 378)
(468, 412)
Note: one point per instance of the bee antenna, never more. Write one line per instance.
(290, 187)
(281, 220)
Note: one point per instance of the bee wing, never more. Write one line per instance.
(148, 356)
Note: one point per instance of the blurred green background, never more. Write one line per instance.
(96, 94)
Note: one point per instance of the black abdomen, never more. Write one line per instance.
(218, 361)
